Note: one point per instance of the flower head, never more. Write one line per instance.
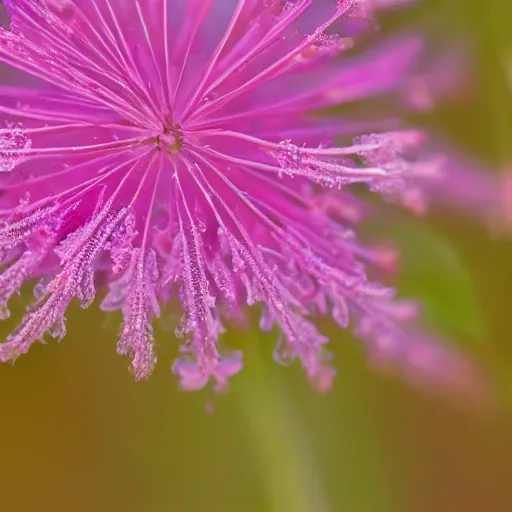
(172, 149)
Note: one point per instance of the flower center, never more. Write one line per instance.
(171, 138)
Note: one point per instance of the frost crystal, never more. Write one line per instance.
(177, 149)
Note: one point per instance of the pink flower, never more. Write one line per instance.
(176, 150)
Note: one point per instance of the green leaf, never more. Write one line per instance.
(431, 270)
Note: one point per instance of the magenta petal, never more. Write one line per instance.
(173, 150)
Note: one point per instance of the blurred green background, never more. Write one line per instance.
(77, 434)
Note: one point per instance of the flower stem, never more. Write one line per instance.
(280, 443)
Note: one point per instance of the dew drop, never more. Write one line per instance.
(283, 353)
(201, 226)
(4, 311)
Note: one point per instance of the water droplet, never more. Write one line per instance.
(4, 311)
(283, 353)
(201, 226)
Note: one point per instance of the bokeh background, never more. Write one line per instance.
(77, 434)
